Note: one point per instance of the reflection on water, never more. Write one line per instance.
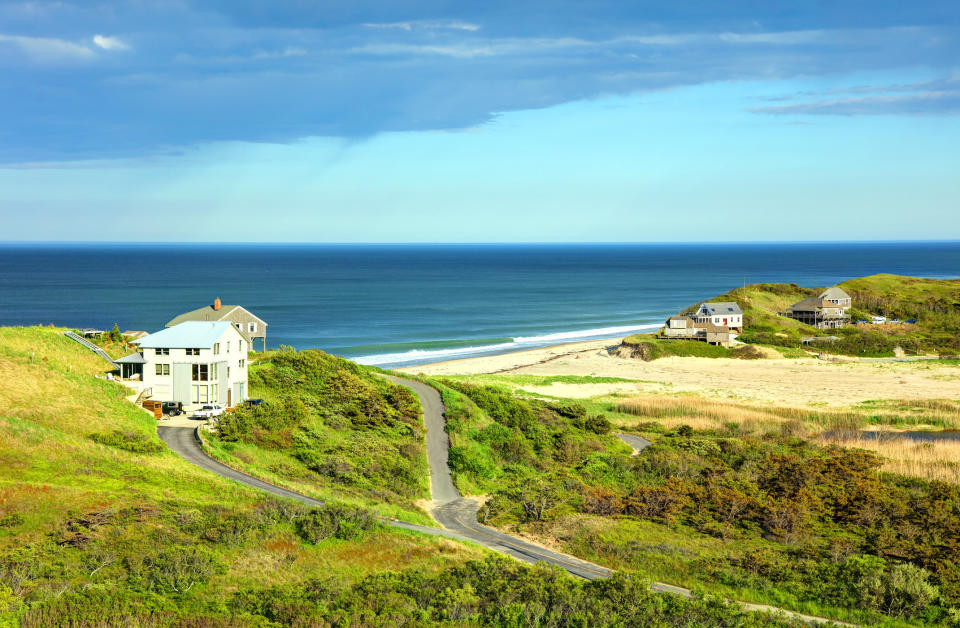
(917, 436)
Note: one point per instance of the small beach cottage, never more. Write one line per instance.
(251, 326)
(196, 362)
(722, 314)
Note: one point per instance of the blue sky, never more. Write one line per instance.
(450, 121)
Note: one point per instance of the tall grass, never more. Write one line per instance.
(930, 460)
(703, 413)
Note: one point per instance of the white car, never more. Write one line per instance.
(209, 411)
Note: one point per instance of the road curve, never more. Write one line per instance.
(185, 442)
(457, 514)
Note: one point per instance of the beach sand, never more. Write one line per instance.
(785, 382)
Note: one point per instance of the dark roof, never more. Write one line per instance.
(133, 358)
(811, 304)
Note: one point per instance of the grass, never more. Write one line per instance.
(673, 554)
(929, 460)
(54, 475)
(332, 430)
(649, 347)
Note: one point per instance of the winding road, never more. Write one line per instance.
(457, 514)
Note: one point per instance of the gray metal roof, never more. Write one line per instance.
(834, 293)
(722, 308)
(207, 313)
(133, 358)
(189, 335)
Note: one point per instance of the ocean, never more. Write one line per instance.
(394, 305)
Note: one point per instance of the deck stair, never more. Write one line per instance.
(89, 345)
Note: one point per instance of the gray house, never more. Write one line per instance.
(828, 310)
(252, 327)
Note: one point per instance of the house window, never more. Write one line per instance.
(241, 346)
(215, 392)
(162, 351)
(214, 372)
(163, 369)
(242, 363)
(216, 348)
(228, 372)
(193, 351)
(251, 327)
(200, 373)
(228, 346)
(200, 394)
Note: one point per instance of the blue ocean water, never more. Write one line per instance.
(405, 304)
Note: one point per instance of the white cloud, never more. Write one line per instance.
(110, 43)
(455, 25)
(48, 49)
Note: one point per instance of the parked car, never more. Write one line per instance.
(209, 411)
(255, 402)
(173, 408)
(911, 321)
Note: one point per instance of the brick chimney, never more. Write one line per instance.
(216, 303)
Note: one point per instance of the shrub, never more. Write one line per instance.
(176, 569)
(337, 521)
(598, 424)
(11, 521)
(130, 441)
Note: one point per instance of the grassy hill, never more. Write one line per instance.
(101, 525)
(95, 533)
(935, 304)
(331, 429)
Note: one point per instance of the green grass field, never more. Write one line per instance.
(78, 517)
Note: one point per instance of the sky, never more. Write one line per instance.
(360, 121)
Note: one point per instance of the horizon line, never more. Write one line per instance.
(467, 243)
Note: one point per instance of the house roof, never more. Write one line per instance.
(189, 335)
(834, 293)
(711, 327)
(722, 308)
(680, 318)
(133, 358)
(207, 313)
(809, 304)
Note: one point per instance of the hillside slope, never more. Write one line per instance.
(330, 429)
(934, 303)
(93, 532)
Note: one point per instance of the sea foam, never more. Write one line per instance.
(424, 356)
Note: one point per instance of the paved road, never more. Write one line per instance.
(457, 514)
(184, 441)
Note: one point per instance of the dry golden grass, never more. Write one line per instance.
(701, 413)
(933, 460)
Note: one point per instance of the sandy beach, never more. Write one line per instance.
(787, 382)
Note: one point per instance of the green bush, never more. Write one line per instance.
(135, 442)
(337, 521)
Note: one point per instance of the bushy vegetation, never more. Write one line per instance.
(500, 440)
(136, 442)
(649, 347)
(494, 592)
(335, 520)
(821, 523)
(331, 428)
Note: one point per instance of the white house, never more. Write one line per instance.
(721, 314)
(196, 362)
